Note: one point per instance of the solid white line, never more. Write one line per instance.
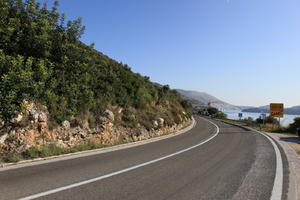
(278, 181)
(121, 171)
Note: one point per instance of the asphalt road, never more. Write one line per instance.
(236, 164)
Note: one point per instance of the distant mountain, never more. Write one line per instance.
(295, 110)
(194, 102)
(204, 98)
(245, 107)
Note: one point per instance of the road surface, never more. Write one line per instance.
(211, 161)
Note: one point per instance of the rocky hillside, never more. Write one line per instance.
(54, 88)
(31, 129)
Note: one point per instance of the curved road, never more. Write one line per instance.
(236, 164)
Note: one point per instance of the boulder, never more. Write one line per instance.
(155, 124)
(160, 122)
(17, 119)
(3, 138)
(109, 115)
(42, 117)
(66, 124)
(35, 117)
(120, 110)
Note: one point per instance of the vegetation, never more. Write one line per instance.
(220, 115)
(48, 150)
(292, 128)
(211, 111)
(43, 60)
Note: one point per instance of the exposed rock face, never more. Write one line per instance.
(17, 139)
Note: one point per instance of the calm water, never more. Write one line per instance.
(285, 121)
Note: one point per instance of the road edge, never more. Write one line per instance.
(46, 160)
(278, 180)
(293, 163)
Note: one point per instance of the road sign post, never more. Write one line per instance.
(240, 116)
(276, 110)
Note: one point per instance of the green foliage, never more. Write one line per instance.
(14, 158)
(187, 105)
(293, 126)
(271, 120)
(212, 110)
(42, 59)
(85, 147)
(220, 115)
(259, 121)
(32, 152)
(50, 150)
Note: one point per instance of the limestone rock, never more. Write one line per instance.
(17, 119)
(120, 110)
(109, 115)
(66, 124)
(160, 122)
(155, 124)
(42, 117)
(3, 138)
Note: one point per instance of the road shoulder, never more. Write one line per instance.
(294, 166)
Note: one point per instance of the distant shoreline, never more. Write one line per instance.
(285, 121)
(267, 111)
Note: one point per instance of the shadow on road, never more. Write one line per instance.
(291, 139)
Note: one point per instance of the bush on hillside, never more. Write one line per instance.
(43, 60)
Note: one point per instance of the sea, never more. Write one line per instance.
(285, 121)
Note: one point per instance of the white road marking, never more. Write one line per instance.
(278, 181)
(121, 171)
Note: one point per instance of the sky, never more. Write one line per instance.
(244, 52)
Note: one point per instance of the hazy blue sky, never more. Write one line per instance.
(245, 52)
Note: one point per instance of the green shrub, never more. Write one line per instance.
(32, 152)
(48, 64)
(14, 158)
(92, 121)
(212, 110)
(220, 115)
(85, 147)
(293, 126)
(50, 150)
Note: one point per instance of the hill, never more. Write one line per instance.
(56, 90)
(43, 60)
(204, 98)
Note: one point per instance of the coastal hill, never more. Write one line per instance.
(204, 98)
(55, 88)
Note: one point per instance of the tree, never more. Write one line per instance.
(212, 110)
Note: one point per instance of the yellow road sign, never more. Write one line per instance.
(276, 109)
